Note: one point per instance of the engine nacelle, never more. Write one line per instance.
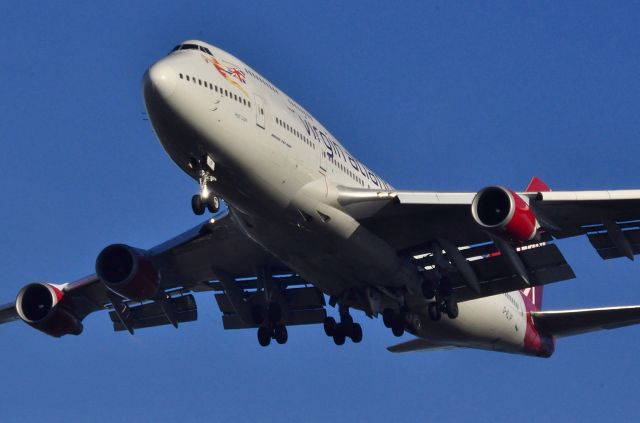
(501, 210)
(128, 271)
(38, 304)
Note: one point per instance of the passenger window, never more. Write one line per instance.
(181, 77)
(188, 78)
(205, 84)
(199, 81)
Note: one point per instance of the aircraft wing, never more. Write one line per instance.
(410, 221)
(185, 263)
(8, 313)
(574, 322)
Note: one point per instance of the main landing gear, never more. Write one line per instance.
(443, 301)
(347, 328)
(205, 199)
(270, 328)
(395, 320)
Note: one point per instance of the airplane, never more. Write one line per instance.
(296, 223)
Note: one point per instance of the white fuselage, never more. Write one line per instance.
(278, 168)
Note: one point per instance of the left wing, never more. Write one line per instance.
(196, 260)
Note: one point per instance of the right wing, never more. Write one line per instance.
(430, 225)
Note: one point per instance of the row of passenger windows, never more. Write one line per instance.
(217, 89)
(512, 301)
(345, 169)
(295, 132)
(261, 79)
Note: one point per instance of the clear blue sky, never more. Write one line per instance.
(432, 95)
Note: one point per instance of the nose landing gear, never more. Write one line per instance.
(205, 199)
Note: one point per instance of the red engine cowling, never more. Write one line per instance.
(128, 271)
(39, 305)
(501, 210)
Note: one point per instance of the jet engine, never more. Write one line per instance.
(39, 305)
(128, 271)
(501, 210)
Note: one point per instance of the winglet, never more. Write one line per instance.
(537, 185)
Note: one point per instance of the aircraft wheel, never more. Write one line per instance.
(346, 320)
(197, 205)
(213, 203)
(397, 326)
(356, 333)
(280, 334)
(330, 326)
(387, 317)
(434, 311)
(339, 338)
(427, 290)
(264, 335)
(451, 307)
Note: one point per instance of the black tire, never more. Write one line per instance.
(213, 203)
(397, 327)
(339, 338)
(197, 205)
(346, 320)
(274, 313)
(387, 317)
(264, 336)
(427, 290)
(451, 307)
(330, 326)
(434, 311)
(280, 334)
(356, 333)
(258, 314)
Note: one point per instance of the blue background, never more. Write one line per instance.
(432, 95)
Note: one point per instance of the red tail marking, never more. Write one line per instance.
(537, 185)
(534, 294)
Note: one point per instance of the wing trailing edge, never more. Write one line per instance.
(574, 322)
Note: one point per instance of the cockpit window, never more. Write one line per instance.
(191, 47)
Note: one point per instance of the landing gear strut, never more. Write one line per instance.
(205, 199)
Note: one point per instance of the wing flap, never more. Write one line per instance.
(574, 322)
(544, 264)
(607, 249)
(151, 314)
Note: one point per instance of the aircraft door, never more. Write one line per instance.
(260, 119)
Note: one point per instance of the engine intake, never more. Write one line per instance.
(501, 210)
(38, 304)
(128, 271)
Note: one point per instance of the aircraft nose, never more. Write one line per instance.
(162, 78)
